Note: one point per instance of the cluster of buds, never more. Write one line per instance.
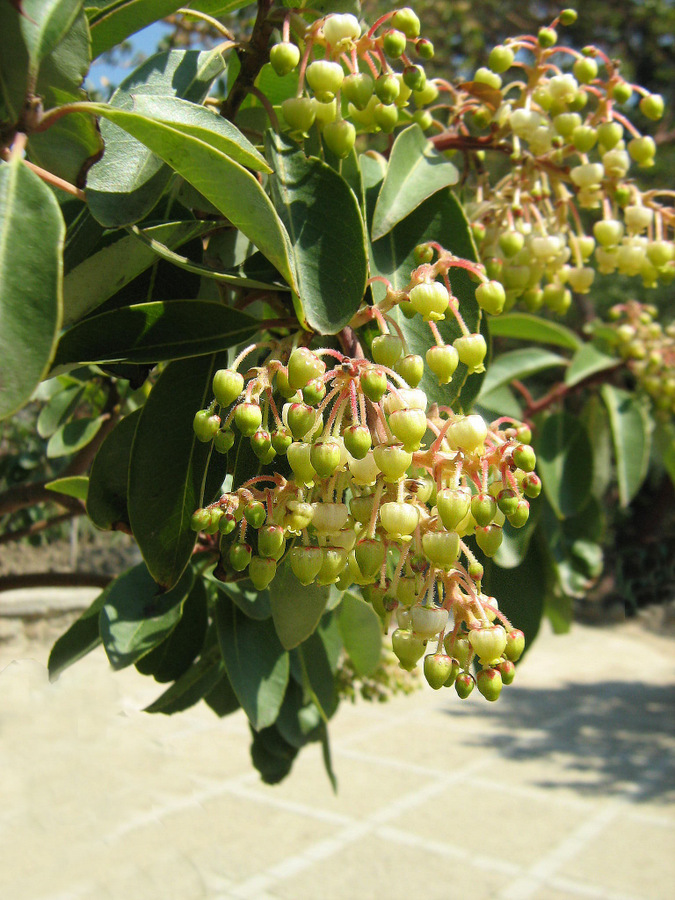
(571, 149)
(381, 492)
(648, 348)
(346, 73)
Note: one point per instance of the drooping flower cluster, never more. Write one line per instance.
(382, 492)
(556, 112)
(649, 348)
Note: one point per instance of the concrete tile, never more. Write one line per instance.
(364, 786)
(372, 868)
(638, 862)
(524, 827)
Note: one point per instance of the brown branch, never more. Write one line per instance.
(559, 391)
(253, 57)
(54, 579)
(37, 527)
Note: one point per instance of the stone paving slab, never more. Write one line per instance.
(565, 788)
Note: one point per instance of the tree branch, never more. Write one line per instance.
(54, 579)
(253, 57)
(37, 527)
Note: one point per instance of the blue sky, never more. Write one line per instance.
(143, 43)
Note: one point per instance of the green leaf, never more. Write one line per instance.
(199, 122)
(44, 24)
(416, 170)
(565, 463)
(518, 364)
(174, 656)
(311, 661)
(73, 436)
(296, 609)
(192, 686)
(68, 144)
(81, 638)
(168, 466)
(521, 591)
(136, 616)
(272, 755)
(114, 21)
(221, 698)
(440, 218)
(361, 632)
(252, 602)
(257, 665)
(631, 437)
(125, 185)
(13, 66)
(516, 541)
(118, 260)
(323, 220)
(573, 546)
(74, 486)
(232, 189)
(248, 275)
(525, 327)
(109, 476)
(152, 332)
(664, 444)
(587, 361)
(59, 408)
(31, 243)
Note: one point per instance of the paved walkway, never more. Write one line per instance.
(563, 789)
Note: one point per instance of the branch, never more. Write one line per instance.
(54, 579)
(559, 391)
(37, 527)
(253, 57)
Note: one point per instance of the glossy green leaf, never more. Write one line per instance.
(500, 402)
(518, 364)
(174, 656)
(573, 546)
(361, 632)
(440, 218)
(296, 610)
(232, 189)
(113, 21)
(257, 665)
(253, 603)
(199, 122)
(298, 720)
(416, 170)
(44, 25)
(565, 463)
(74, 486)
(516, 541)
(664, 444)
(323, 220)
(73, 436)
(521, 590)
(248, 275)
(109, 476)
(59, 408)
(596, 422)
(31, 242)
(312, 668)
(136, 616)
(119, 259)
(631, 436)
(152, 332)
(587, 361)
(81, 638)
(13, 65)
(168, 466)
(192, 686)
(272, 755)
(68, 145)
(221, 698)
(526, 327)
(125, 185)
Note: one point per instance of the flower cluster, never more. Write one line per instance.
(346, 73)
(649, 349)
(382, 492)
(556, 112)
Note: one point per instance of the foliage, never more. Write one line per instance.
(290, 309)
